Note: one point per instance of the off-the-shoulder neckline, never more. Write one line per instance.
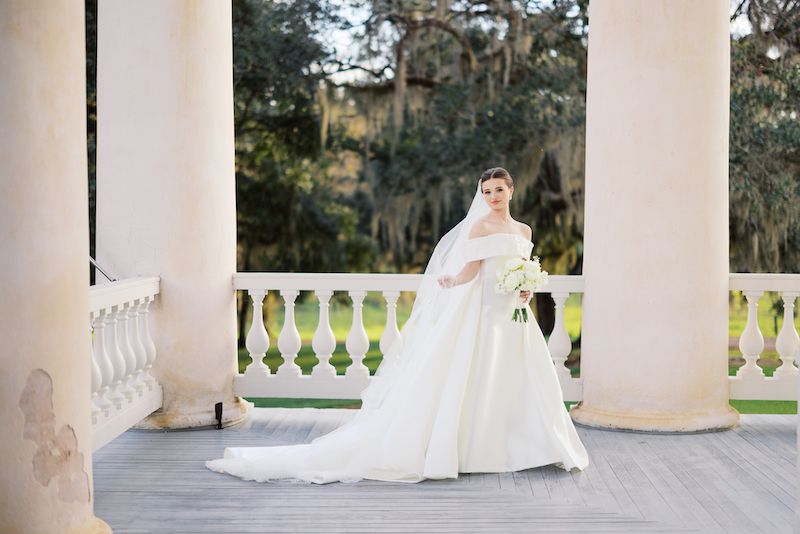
(501, 233)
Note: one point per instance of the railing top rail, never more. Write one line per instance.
(368, 282)
(764, 282)
(103, 296)
(327, 281)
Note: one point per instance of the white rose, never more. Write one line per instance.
(513, 264)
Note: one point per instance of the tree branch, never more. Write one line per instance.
(739, 10)
(346, 67)
(414, 25)
(388, 87)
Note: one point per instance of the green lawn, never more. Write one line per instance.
(742, 406)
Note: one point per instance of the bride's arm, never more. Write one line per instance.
(466, 274)
(470, 270)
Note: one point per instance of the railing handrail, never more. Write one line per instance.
(764, 282)
(110, 294)
(368, 282)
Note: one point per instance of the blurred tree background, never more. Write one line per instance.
(359, 157)
(765, 139)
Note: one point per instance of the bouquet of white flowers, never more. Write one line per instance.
(521, 275)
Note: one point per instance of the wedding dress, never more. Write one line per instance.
(465, 390)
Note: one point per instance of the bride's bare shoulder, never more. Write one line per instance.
(481, 228)
(525, 230)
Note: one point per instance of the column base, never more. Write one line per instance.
(658, 423)
(182, 417)
(95, 526)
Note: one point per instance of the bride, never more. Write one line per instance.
(464, 390)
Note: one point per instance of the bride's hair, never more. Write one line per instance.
(498, 172)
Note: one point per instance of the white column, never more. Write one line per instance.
(655, 313)
(166, 189)
(45, 386)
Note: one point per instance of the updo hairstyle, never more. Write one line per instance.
(498, 172)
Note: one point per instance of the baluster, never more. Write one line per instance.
(100, 357)
(257, 341)
(136, 343)
(149, 346)
(128, 355)
(324, 342)
(289, 341)
(752, 342)
(97, 377)
(788, 341)
(115, 355)
(390, 332)
(113, 393)
(357, 343)
(560, 344)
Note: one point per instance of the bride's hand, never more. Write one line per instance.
(446, 281)
(525, 296)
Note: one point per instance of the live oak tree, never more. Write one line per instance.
(765, 140)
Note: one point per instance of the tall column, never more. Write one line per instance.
(45, 385)
(655, 312)
(166, 202)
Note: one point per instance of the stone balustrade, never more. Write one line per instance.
(323, 382)
(123, 391)
(750, 381)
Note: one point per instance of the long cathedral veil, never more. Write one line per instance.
(350, 452)
(447, 258)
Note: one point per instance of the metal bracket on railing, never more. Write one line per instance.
(91, 259)
(218, 413)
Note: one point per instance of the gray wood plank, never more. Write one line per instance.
(683, 466)
(157, 482)
(754, 469)
(522, 483)
(628, 449)
(765, 436)
(612, 483)
(639, 495)
(328, 421)
(538, 486)
(506, 481)
(594, 490)
(696, 515)
(727, 474)
(738, 505)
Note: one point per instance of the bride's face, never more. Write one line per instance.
(496, 193)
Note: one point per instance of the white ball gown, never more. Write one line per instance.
(466, 390)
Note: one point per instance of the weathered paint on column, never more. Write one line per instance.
(45, 390)
(655, 311)
(166, 201)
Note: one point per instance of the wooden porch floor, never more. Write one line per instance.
(739, 481)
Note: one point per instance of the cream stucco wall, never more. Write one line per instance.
(166, 188)
(655, 312)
